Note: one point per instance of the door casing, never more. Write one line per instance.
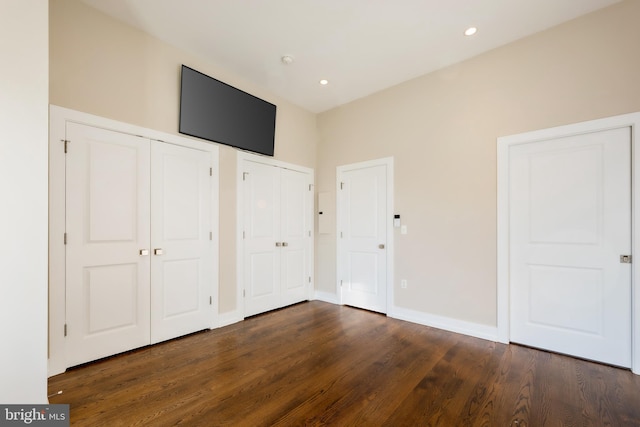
(503, 286)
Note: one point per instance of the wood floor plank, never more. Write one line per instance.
(393, 367)
(320, 364)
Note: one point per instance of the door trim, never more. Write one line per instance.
(503, 145)
(388, 162)
(58, 118)
(242, 157)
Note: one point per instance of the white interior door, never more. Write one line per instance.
(181, 246)
(262, 244)
(107, 224)
(570, 220)
(363, 221)
(295, 230)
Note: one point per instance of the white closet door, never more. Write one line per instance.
(262, 243)
(295, 229)
(570, 220)
(181, 248)
(107, 224)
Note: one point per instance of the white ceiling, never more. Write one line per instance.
(360, 46)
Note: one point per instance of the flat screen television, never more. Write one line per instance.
(215, 111)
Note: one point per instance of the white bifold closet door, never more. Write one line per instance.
(276, 237)
(181, 249)
(108, 198)
(138, 264)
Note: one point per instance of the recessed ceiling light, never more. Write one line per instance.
(324, 82)
(470, 31)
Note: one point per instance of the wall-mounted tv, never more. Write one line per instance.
(215, 111)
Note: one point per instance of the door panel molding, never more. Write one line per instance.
(503, 235)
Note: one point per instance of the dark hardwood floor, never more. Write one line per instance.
(319, 364)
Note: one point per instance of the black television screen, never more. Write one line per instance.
(216, 111)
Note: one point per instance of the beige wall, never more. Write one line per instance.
(103, 67)
(441, 129)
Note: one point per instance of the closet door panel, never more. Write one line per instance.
(262, 243)
(295, 234)
(107, 224)
(181, 248)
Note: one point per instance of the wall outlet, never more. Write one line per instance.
(403, 284)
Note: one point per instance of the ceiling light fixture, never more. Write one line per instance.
(287, 59)
(470, 31)
(324, 82)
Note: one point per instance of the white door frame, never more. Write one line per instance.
(388, 162)
(58, 118)
(504, 143)
(242, 157)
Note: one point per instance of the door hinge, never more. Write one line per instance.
(342, 185)
(340, 283)
(244, 175)
(309, 279)
(626, 259)
(341, 234)
(210, 300)
(244, 236)
(66, 144)
(310, 186)
(65, 329)
(244, 293)
(210, 171)
(309, 233)
(211, 235)
(65, 238)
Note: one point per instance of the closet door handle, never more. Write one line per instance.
(278, 244)
(143, 252)
(158, 251)
(285, 244)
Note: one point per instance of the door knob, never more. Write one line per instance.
(381, 246)
(143, 252)
(285, 244)
(278, 244)
(158, 251)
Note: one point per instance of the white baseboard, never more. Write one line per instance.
(476, 330)
(54, 368)
(326, 297)
(457, 326)
(229, 318)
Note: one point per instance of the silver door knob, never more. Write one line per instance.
(285, 244)
(143, 252)
(381, 246)
(278, 244)
(158, 251)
